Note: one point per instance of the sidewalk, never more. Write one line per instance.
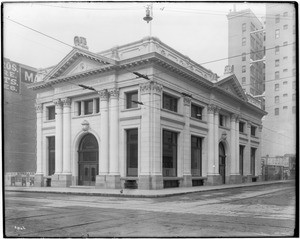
(82, 190)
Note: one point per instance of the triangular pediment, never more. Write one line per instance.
(231, 85)
(78, 61)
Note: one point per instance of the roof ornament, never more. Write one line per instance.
(229, 69)
(80, 42)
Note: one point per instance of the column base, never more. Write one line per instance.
(38, 180)
(144, 182)
(235, 179)
(113, 181)
(213, 180)
(157, 182)
(187, 181)
(61, 180)
(101, 181)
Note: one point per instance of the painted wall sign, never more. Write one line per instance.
(11, 78)
(27, 76)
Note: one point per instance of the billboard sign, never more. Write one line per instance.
(27, 76)
(11, 77)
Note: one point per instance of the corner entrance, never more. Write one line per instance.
(88, 160)
(222, 162)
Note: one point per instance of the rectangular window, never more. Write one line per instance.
(294, 72)
(285, 14)
(196, 156)
(294, 84)
(294, 109)
(276, 87)
(222, 120)
(131, 100)
(277, 62)
(294, 97)
(132, 152)
(276, 75)
(241, 127)
(285, 107)
(78, 108)
(285, 82)
(97, 105)
(243, 69)
(277, 33)
(252, 163)
(276, 111)
(285, 70)
(51, 113)
(241, 159)
(276, 99)
(285, 27)
(169, 102)
(244, 41)
(285, 43)
(88, 107)
(277, 18)
(196, 112)
(277, 50)
(285, 95)
(169, 154)
(244, 57)
(253, 130)
(244, 27)
(243, 80)
(51, 155)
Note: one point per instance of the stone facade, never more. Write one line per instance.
(92, 143)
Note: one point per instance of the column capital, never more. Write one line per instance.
(217, 110)
(211, 109)
(104, 95)
(58, 103)
(39, 107)
(66, 102)
(238, 117)
(233, 117)
(249, 124)
(113, 92)
(151, 86)
(187, 100)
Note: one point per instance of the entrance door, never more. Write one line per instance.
(88, 160)
(222, 162)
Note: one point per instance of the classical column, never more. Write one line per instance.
(233, 144)
(247, 153)
(82, 107)
(104, 140)
(258, 155)
(114, 174)
(237, 146)
(216, 140)
(94, 105)
(187, 176)
(58, 136)
(38, 182)
(211, 153)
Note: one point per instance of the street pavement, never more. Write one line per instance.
(260, 211)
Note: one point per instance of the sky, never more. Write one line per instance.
(198, 30)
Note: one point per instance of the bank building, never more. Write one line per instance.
(143, 115)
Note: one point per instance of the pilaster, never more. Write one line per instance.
(113, 179)
(211, 135)
(104, 140)
(58, 136)
(66, 135)
(216, 140)
(187, 177)
(39, 181)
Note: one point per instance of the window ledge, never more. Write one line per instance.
(83, 116)
(131, 109)
(49, 121)
(244, 134)
(198, 177)
(198, 120)
(224, 127)
(172, 178)
(130, 178)
(171, 112)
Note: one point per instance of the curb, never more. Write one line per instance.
(104, 194)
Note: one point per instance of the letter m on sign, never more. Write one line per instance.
(27, 76)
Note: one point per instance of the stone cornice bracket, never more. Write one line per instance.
(151, 86)
(39, 107)
(260, 128)
(103, 95)
(66, 102)
(211, 109)
(114, 93)
(238, 117)
(58, 103)
(187, 100)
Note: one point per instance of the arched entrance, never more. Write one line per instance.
(222, 161)
(88, 160)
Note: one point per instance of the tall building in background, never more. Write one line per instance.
(279, 126)
(246, 50)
